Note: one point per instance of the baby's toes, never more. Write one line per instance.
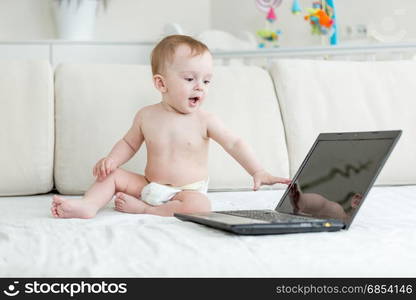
(54, 208)
(53, 211)
(119, 203)
(118, 200)
(119, 208)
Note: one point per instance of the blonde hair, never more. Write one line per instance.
(165, 49)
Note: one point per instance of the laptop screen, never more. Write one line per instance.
(335, 178)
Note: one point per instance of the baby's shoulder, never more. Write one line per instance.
(208, 116)
(147, 110)
(203, 114)
(143, 113)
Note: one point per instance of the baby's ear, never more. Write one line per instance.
(159, 83)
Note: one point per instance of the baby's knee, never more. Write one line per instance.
(196, 202)
(119, 176)
(118, 172)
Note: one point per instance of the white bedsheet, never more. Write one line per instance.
(380, 242)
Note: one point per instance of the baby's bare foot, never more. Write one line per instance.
(129, 204)
(68, 208)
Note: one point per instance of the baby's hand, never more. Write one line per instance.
(262, 177)
(103, 168)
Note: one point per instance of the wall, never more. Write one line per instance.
(124, 19)
(144, 19)
(25, 20)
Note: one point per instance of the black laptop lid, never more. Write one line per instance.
(337, 174)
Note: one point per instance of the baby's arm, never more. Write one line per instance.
(317, 205)
(241, 152)
(122, 151)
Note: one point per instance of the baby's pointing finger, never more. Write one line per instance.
(285, 180)
(277, 180)
(257, 184)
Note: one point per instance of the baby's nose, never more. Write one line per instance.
(199, 86)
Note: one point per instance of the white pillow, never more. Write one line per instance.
(95, 106)
(328, 96)
(26, 127)
(244, 98)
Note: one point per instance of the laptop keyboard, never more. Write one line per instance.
(270, 216)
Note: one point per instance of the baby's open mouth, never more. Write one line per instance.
(194, 100)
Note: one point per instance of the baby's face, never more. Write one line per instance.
(187, 79)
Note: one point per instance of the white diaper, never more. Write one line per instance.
(157, 194)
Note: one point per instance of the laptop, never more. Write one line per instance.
(326, 192)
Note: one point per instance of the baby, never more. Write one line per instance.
(318, 206)
(176, 132)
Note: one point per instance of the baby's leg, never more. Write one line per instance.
(183, 202)
(100, 193)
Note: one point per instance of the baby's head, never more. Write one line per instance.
(182, 71)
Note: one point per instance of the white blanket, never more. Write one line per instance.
(380, 242)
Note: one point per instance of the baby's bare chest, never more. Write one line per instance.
(179, 135)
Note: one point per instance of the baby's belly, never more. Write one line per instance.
(175, 173)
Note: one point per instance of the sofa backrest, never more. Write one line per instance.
(95, 105)
(329, 96)
(26, 127)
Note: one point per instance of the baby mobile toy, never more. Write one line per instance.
(296, 7)
(321, 17)
(269, 35)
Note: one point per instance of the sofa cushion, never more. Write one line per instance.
(329, 96)
(26, 127)
(95, 105)
(245, 100)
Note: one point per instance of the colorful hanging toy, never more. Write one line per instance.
(322, 19)
(268, 35)
(296, 7)
(333, 38)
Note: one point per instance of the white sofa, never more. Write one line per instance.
(54, 125)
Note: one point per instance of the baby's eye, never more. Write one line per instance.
(206, 81)
(189, 79)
